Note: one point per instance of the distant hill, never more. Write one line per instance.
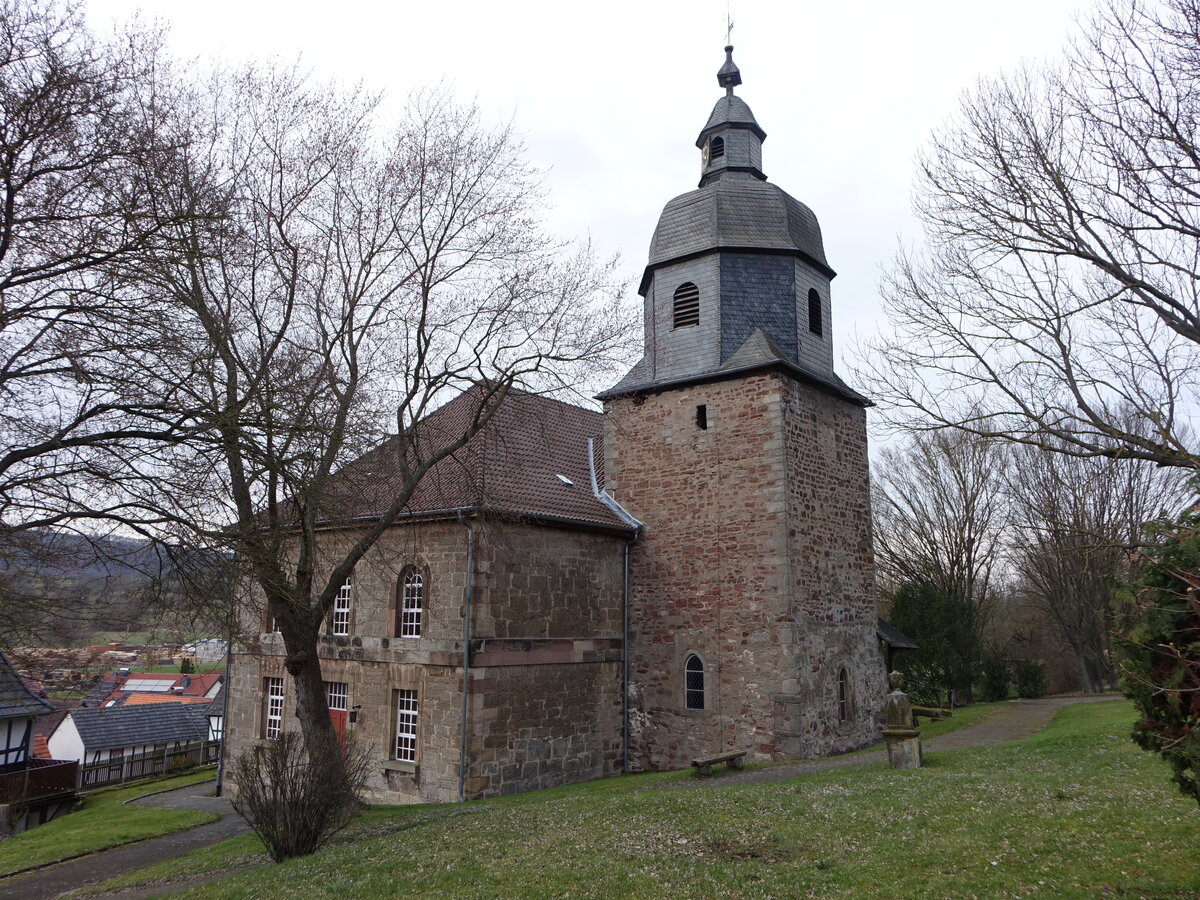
(46, 553)
(59, 588)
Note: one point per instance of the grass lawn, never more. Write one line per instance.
(103, 822)
(1076, 811)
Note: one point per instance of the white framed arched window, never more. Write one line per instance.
(410, 603)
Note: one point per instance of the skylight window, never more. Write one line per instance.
(565, 480)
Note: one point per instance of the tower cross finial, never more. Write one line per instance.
(728, 25)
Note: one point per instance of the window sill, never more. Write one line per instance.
(398, 765)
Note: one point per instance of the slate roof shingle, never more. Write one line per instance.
(15, 698)
(735, 213)
(216, 706)
(731, 110)
(758, 351)
(110, 727)
(894, 637)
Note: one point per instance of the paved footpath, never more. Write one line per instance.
(49, 882)
(1019, 719)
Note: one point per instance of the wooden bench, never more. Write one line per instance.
(734, 759)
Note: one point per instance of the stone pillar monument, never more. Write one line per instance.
(903, 741)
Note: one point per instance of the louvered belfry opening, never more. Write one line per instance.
(716, 148)
(687, 305)
(814, 313)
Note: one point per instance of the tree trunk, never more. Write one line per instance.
(1085, 679)
(312, 706)
(304, 666)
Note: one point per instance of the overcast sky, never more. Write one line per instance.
(611, 96)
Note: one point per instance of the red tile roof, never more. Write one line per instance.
(143, 699)
(512, 466)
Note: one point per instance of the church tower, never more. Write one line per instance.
(744, 455)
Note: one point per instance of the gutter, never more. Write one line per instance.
(609, 501)
(466, 664)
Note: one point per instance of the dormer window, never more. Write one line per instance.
(716, 149)
(687, 305)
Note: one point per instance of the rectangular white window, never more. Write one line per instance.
(406, 726)
(335, 694)
(341, 610)
(273, 713)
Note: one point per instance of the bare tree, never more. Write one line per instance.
(1060, 285)
(1077, 523)
(358, 276)
(940, 515)
(79, 140)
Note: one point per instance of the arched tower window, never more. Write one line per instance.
(687, 305)
(843, 695)
(410, 603)
(716, 149)
(693, 682)
(814, 312)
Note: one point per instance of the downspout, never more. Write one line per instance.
(225, 688)
(611, 503)
(466, 663)
(625, 660)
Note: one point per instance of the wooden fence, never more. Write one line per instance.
(38, 779)
(149, 763)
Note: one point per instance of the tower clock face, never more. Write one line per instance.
(704, 155)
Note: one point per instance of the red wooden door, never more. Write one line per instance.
(338, 718)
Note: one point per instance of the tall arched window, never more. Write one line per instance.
(410, 603)
(339, 619)
(716, 149)
(814, 313)
(687, 305)
(693, 682)
(843, 695)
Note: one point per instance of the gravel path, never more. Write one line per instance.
(1019, 719)
(51, 881)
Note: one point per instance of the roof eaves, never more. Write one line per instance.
(837, 389)
(819, 265)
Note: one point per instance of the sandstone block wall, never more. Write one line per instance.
(832, 585)
(756, 558)
(546, 650)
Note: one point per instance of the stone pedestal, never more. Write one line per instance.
(904, 748)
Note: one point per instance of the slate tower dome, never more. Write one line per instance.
(737, 274)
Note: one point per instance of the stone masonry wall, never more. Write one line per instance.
(546, 660)
(537, 726)
(546, 650)
(374, 663)
(727, 567)
(832, 582)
